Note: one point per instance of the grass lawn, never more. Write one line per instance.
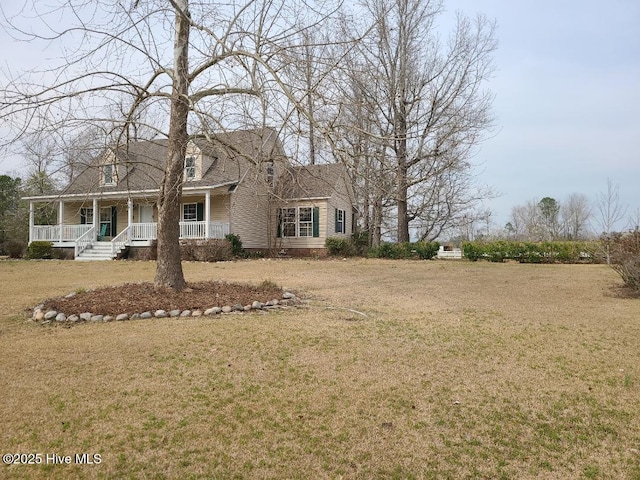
(397, 369)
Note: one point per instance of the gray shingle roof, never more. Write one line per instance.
(226, 157)
(312, 181)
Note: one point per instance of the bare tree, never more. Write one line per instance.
(178, 65)
(575, 213)
(431, 111)
(610, 212)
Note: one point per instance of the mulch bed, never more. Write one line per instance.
(142, 297)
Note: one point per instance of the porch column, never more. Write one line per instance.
(96, 219)
(207, 213)
(61, 220)
(129, 212)
(32, 220)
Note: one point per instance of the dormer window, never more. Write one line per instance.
(108, 174)
(189, 168)
(270, 174)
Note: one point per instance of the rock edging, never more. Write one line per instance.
(46, 317)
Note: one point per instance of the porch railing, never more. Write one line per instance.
(51, 233)
(121, 240)
(135, 231)
(144, 231)
(85, 240)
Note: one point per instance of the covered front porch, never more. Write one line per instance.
(82, 223)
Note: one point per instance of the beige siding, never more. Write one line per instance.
(250, 215)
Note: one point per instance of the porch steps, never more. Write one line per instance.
(98, 251)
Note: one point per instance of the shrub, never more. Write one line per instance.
(211, 250)
(40, 250)
(339, 246)
(406, 250)
(236, 244)
(530, 252)
(625, 257)
(14, 248)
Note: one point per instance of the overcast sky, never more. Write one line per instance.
(567, 106)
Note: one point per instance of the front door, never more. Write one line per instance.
(107, 222)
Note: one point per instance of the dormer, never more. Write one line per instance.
(109, 170)
(192, 163)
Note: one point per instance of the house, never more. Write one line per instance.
(238, 182)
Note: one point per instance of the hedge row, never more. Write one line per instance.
(346, 247)
(530, 252)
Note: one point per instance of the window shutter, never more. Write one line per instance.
(336, 227)
(83, 216)
(199, 212)
(114, 218)
(279, 232)
(316, 221)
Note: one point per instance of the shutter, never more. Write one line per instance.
(279, 232)
(316, 221)
(336, 227)
(114, 219)
(199, 212)
(83, 216)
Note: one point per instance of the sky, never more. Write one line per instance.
(567, 100)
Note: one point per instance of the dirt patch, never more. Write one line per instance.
(141, 297)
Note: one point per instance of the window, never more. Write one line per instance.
(189, 212)
(299, 222)
(86, 216)
(270, 173)
(305, 224)
(190, 168)
(288, 222)
(340, 221)
(109, 174)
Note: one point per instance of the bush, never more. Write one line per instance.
(40, 250)
(530, 252)
(236, 244)
(405, 250)
(211, 250)
(14, 248)
(625, 257)
(339, 246)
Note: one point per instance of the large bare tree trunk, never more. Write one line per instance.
(169, 268)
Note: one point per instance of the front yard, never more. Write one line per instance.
(396, 369)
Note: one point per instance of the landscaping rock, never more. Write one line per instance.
(247, 308)
(71, 295)
(216, 310)
(135, 316)
(256, 305)
(186, 313)
(50, 315)
(238, 308)
(288, 296)
(196, 313)
(122, 317)
(208, 312)
(86, 316)
(227, 309)
(73, 318)
(38, 315)
(97, 318)
(146, 315)
(160, 314)
(61, 317)
(174, 313)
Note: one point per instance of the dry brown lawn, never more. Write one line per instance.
(396, 369)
